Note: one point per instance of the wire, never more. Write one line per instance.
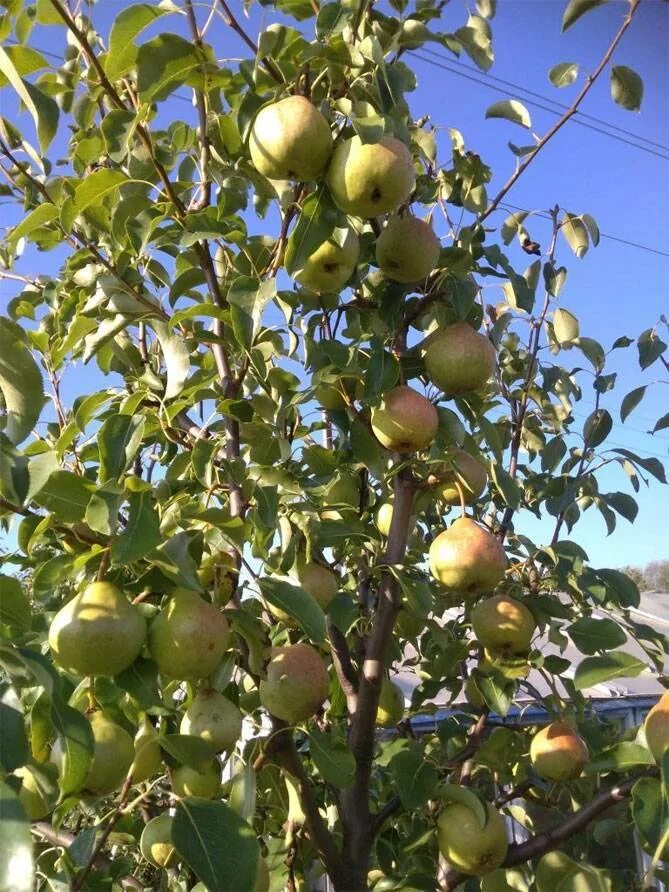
(552, 111)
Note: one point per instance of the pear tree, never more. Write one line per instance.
(278, 395)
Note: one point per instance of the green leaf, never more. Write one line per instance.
(95, 188)
(650, 346)
(117, 128)
(619, 587)
(577, 8)
(43, 108)
(296, 602)
(177, 359)
(576, 234)
(316, 223)
(75, 740)
(597, 427)
(187, 749)
(176, 562)
(40, 216)
(415, 779)
(142, 532)
(624, 504)
(13, 740)
(332, 757)
(466, 797)
(219, 847)
(127, 25)
(165, 63)
(649, 811)
(65, 495)
(626, 87)
(631, 401)
(661, 424)
(20, 384)
(16, 845)
(119, 439)
(242, 796)
(565, 326)
(591, 635)
(14, 605)
(46, 14)
(140, 680)
(595, 670)
(563, 74)
(509, 489)
(24, 59)
(620, 757)
(512, 110)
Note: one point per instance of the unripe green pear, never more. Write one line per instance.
(414, 34)
(155, 842)
(405, 421)
(331, 265)
(466, 472)
(467, 558)
(558, 752)
(384, 517)
(219, 574)
(459, 359)
(473, 849)
(290, 140)
(188, 637)
(503, 625)
(369, 179)
(297, 683)
(390, 710)
(113, 752)
(206, 783)
(148, 758)
(98, 632)
(30, 796)
(407, 250)
(656, 726)
(214, 718)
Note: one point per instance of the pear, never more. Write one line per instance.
(405, 421)
(465, 471)
(656, 727)
(369, 179)
(113, 752)
(467, 558)
(558, 753)
(219, 574)
(384, 517)
(332, 264)
(214, 718)
(290, 140)
(503, 625)
(407, 250)
(188, 637)
(206, 783)
(98, 632)
(155, 842)
(148, 758)
(459, 359)
(390, 710)
(30, 796)
(297, 683)
(473, 849)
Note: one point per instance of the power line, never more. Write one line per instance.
(552, 111)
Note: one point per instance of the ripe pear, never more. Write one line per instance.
(407, 250)
(214, 718)
(331, 265)
(503, 625)
(148, 758)
(390, 710)
(405, 421)
(465, 471)
(206, 783)
(656, 727)
(459, 359)
(369, 179)
(98, 632)
(468, 558)
(155, 842)
(113, 752)
(30, 796)
(297, 683)
(558, 752)
(290, 140)
(188, 637)
(219, 574)
(473, 849)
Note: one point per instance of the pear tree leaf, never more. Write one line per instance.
(617, 664)
(332, 758)
(177, 358)
(13, 740)
(512, 110)
(296, 602)
(591, 635)
(577, 8)
(65, 495)
(127, 25)
(118, 441)
(20, 384)
(415, 779)
(626, 87)
(14, 605)
(165, 63)
(563, 74)
(195, 752)
(16, 845)
(631, 401)
(42, 108)
(576, 234)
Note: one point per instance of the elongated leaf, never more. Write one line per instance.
(42, 108)
(142, 532)
(13, 740)
(16, 847)
(332, 758)
(75, 745)
(118, 441)
(20, 383)
(219, 847)
(177, 359)
(95, 188)
(626, 87)
(661, 424)
(65, 495)
(127, 25)
(631, 401)
(621, 757)
(649, 811)
(14, 606)
(296, 602)
(196, 752)
(590, 635)
(595, 670)
(165, 63)
(40, 216)
(316, 223)
(512, 110)
(24, 59)
(563, 74)
(577, 8)
(576, 234)
(416, 779)
(597, 427)
(242, 798)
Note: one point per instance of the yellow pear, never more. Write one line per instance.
(459, 359)
(297, 682)
(405, 421)
(148, 758)
(214, 718)
(98, 632)
(206, 783)
(464, 471)
(369, 179)
(656, 727)
(188, 637)
(558, 752)
(473, 849)
(113, 752)
(467, 558)
(503, 625)
(407, 250)
(332, 264)
(155, 842)
(290, 140)
(390, 710)
(30, 796)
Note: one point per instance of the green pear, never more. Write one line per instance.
(330, 395)
(206, 783)
(113, 752)
(214, 718)
(369, 179)
(558, 752)
(148, 758)
(467, 558)
(155, 842)
(464, 471)
(332, 264)
(188, 637)
(556, 870)
(219, 574)
(30, 796)
(467, 846)
(407, 250)
(290, 140)
(98, 632)
(297, 683)
(459, 359)
(405, 421)
(390, 710)
(384, 517)
(503, 625)
(656, 726)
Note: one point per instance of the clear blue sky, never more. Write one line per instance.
(615, 289)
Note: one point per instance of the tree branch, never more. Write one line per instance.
(232, 22)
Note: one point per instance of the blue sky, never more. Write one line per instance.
(615, 289)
